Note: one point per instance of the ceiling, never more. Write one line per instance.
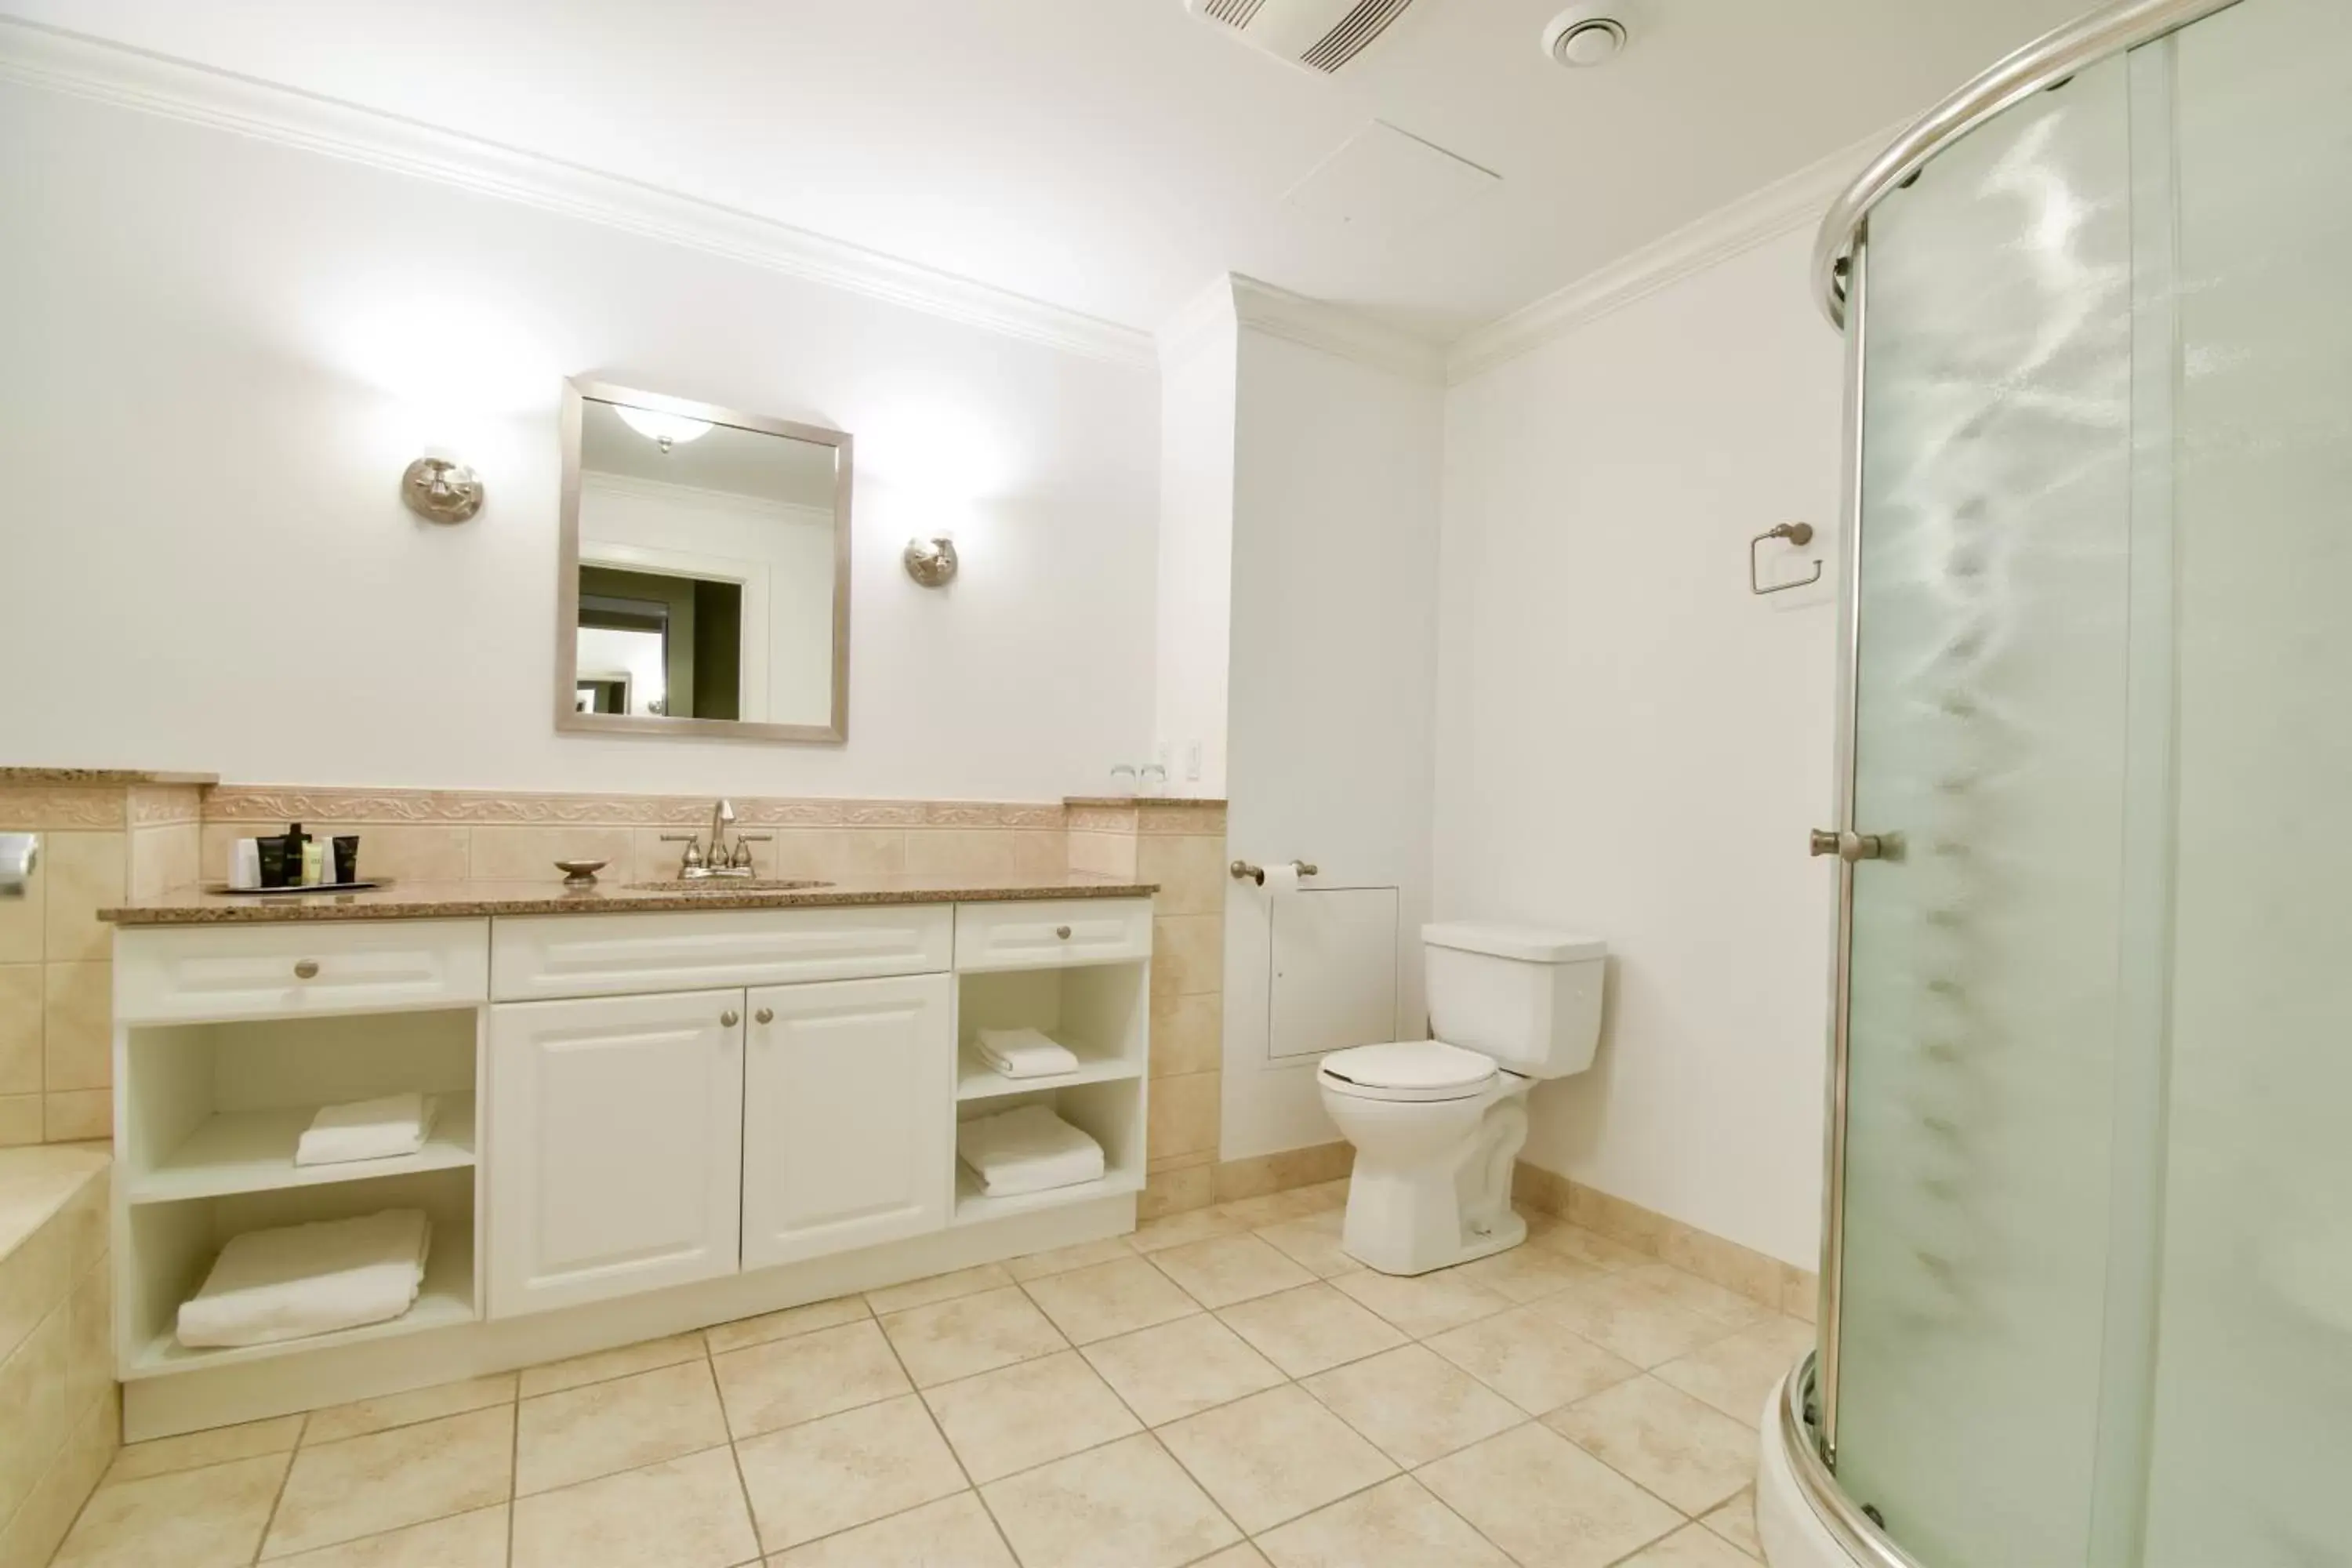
(1114, 156)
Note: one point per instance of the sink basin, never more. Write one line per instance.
(728, 885)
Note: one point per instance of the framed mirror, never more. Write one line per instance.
(705, 570)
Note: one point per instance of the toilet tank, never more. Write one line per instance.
(1529, 997)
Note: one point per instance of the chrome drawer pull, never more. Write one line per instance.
(306, 969)
(729, 1018)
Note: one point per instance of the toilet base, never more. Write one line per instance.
(1407, 1214)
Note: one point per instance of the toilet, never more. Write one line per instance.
(1437, 1123)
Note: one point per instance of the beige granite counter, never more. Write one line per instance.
(458, 900)
(13, 776)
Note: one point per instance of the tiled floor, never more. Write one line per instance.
(1221, 1388)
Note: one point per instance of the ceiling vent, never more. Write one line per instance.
(1321, 34)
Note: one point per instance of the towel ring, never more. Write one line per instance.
(1797, 533)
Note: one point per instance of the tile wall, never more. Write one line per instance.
(60, 1421)
(99, 843)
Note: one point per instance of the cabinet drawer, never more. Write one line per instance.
(1051, 935)
(539, 958)
(193, 973)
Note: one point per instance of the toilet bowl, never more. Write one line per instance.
(1437, 1124)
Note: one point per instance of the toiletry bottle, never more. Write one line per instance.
(347, 859)
(314, 862)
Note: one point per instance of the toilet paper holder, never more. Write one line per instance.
(20, 853)
(1241, 870)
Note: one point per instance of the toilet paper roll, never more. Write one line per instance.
(1282, 879)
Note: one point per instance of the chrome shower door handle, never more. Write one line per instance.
(1848, 845)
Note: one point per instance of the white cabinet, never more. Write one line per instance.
(535, 960)
(183, 976)
(615, 1146)
(848, 1115)
(1037, 935)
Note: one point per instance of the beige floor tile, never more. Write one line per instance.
(1019, 1416)
(476, 1539)
(1178, 1229)
(1532, 1360)
(1274, 1456)
(1548, 1502)
(602, 1367)
(680, 1513)
(1587, 1247)
(939, 1287)
(161, 1457)
(1089, 1304)
(1415, 1406)
(1310, 1329)
(1274, 1208)
(606, 1428)
(1229, 1268)
(1689, 1547)
(1061, 1259)
(1397, 1523)
(1179, 1369)
(971, 1334)
(830, 1474)
(784, 1325)
(1526, 1273)
(365, 1486)
(1423, 1304)
(209, 1518)
(1628, 1320)
(1735, 1522)
(1125, 1503)
(1689, 1454)
(1313, 1244)
(953, 1532)
(356, 1420)
(1243, 1556)
(1694, 1294)
(1737, 1375)
(784, 1381)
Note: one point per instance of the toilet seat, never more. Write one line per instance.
(1408, 1070)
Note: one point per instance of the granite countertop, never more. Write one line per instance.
(457, 901)
(101, 777)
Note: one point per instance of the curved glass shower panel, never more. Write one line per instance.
(1990, 736)
(2253, 1377)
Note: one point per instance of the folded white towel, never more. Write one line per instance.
(304, 1279)
(1027, 1151)
(382, 1128)
(1025, 1053)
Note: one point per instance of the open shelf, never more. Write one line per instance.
(976, 1079)
(1107, 1109)
(253, 1152)
(446, 1297)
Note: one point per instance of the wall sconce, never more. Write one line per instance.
(439, 490)
(931, 562)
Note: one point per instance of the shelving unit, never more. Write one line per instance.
(211, 1115)
(1102, 1012)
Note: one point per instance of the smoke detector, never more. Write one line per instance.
(1321, 34)
(1585, 35)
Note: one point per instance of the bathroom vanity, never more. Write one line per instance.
(659, 1110)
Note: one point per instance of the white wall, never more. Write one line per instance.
(1628, 744)
(221, 353)
(1335, 504)
(1198, 367)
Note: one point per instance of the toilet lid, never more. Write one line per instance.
(1409, 1069)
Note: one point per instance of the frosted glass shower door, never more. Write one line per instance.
(1992, 661)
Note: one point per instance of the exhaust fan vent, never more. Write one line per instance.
(1321, 34)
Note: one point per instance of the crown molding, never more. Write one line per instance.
(1335, 329)
(1207, 320)
(93, 68)
(1796, 201)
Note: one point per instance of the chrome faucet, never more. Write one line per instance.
(696, 864)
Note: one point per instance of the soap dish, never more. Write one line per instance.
(578, 874)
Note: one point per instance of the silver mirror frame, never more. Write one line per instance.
(577, 392)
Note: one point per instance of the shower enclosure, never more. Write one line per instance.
(2087, 1279)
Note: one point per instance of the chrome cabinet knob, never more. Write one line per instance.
(1848, 845)
(306, 969)
(1061, 932)
(765, 1016)
(729, 1018)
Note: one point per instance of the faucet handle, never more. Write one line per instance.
(742, 859)
(692, 858)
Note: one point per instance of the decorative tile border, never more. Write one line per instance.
(1763, 1279)
(1154, 817)
(153, 806)
(485, 809)
(47, 807)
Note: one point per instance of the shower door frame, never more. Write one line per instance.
(1809, 1409)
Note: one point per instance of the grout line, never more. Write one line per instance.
(277, 1497)
(514, 1464)
(734, 1455)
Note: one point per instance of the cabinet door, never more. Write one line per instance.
(614, 1155)
(848, 1115)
